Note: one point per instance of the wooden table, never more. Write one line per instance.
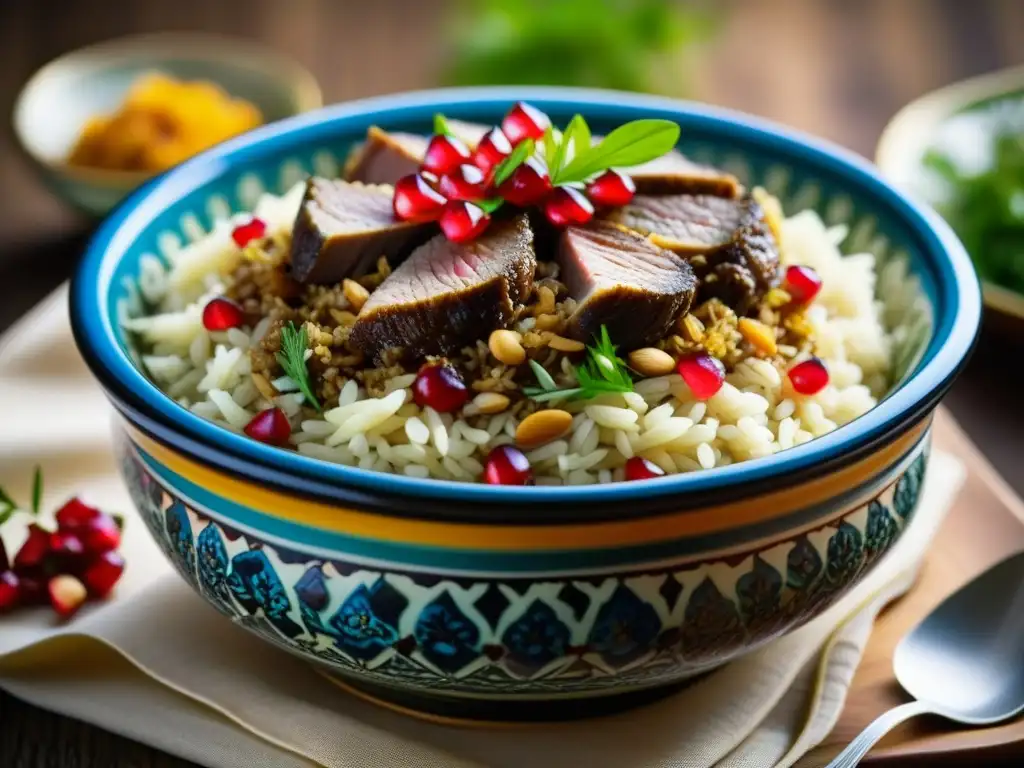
(832, 67)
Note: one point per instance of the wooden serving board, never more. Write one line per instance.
(985, 525)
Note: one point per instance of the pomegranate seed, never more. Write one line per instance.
(67, 595)
(64, 544)
(253, 229)
(639, 468)
(220, 314)
(440, 387)
(524, 122)
(102, 536)
(32, 590)
(463, 183)
(10, 591)
(463, 221)
(444, 154)
(103, 573)
(612, 188)
(566, 206)
(76, 514)
(809, 377)
(492, 149)
(270, 426)
(416, 200)
(5, 562)
(528, 184)
(507, 465)
(34, 550)
(702, 373)
(802, 283)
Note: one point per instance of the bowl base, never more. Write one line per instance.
(501, 713)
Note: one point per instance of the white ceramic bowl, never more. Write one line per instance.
(56, 102)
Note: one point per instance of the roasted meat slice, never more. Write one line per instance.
(447, 295)
(674, 174)
(727, 242)
(384, 158)
(623, 281)
(344, 227)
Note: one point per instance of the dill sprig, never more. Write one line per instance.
(292, 358)
(603, 371)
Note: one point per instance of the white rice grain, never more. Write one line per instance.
(233, 413)
(438, 432)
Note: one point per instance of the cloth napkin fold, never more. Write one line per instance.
(158, 665)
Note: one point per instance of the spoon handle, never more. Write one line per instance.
(860, 746)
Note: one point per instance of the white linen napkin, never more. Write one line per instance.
(158, 665)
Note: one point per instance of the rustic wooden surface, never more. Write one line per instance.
(835, 68)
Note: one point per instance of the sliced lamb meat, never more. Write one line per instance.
(344, 227)
(447, 295)
(727, 242)
(622, 280)
(385, 157)
(674, 174)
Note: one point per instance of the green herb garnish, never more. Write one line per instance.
(441, 125)
(9, 506)
(631, 144)
(517, 157)
(603, 371)
(986, 209)
(37, 489)
(292, 358)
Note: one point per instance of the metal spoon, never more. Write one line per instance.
(965, 661)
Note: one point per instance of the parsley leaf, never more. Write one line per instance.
(603, 371)
(441, 125)
(292, 358)
(516, 158)
(631, 144)
(576, 138)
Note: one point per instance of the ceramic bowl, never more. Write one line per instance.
(57, 101)
(474, 601)
(916, 127)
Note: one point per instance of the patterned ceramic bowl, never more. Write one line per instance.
(467, 600)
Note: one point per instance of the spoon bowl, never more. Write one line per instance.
(964, 661)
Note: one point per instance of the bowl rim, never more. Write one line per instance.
(909, 130)
(211, 47)
(955, 334)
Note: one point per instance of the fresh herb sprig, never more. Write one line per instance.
(602, 372)
(9, 506)
(292, 358)
(634, 143)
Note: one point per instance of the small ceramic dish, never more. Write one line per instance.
(504, 603)
(57, 101)
(917, 126)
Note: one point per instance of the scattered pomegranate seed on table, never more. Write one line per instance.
(463, 221)
(244, 234)
(103, 573)
(34, 550)
(809, 377)
(492, 149)
(66, 545)
(439, 386)
(612, 188)
(76, 514)
(528, 184)
(67, 595)
(10, 591)
(639, 468)
(444, 154)
(270, 426)
(221, 314)
(801, 283)
(465, 182)
(416, 200)
(566, 206)
(703, 374)
(507, 465)
(102, 536)
(524, 122)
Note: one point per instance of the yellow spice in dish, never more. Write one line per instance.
(162, 122)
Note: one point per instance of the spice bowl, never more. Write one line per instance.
(462, 602)
(62, 96)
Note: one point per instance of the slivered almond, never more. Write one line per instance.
(692, 328)
(355, 293)
(491, 402)
(543, 427)
(650, 361)
(545, 301)
(548, 322)
(563, 344)
(758, 334)
(263, 386)
(506, 346)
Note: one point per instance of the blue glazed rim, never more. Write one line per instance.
(956, 302)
